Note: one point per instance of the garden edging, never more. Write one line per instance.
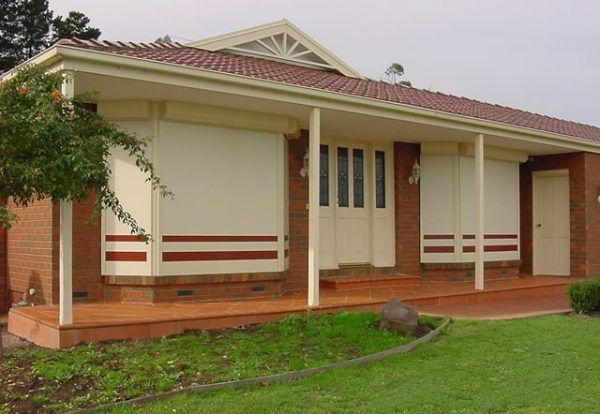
(288, 376)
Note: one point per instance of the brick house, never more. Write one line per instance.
(289, 166)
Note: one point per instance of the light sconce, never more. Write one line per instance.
(415, 173)
(304, 170)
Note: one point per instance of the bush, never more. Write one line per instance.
(584, 295)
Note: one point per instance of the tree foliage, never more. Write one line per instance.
(164, 39)
(394, 73)
(27, 27)
(76, 24)
(52, 146)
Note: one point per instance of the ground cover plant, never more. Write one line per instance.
(546, 364)
(42, 380)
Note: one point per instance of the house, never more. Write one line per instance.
(289, 166)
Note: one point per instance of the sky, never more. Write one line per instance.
(538, 55)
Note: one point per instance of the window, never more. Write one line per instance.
(379, 179)
(359, 174)
(342, 178)
(324, 176)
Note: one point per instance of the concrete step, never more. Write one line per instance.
(354, 282)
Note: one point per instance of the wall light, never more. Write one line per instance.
(415, 173)
(304, 169)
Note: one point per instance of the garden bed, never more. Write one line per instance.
(41, 380)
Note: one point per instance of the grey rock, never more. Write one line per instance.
(399, 316)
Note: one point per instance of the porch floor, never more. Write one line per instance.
(103, 321)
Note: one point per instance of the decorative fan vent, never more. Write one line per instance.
(279, 40)
(281, 46)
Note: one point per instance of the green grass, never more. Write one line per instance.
(87, 375)
(538, 365)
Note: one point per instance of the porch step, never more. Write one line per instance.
(362, 282)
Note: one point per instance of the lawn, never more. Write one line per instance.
(546, 364)
(42, 380)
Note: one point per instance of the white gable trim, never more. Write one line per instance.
(279, 40)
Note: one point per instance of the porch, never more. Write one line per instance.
(108, 321)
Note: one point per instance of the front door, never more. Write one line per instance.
(551, 225)
(352, 217)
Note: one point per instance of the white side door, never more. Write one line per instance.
(551, 223)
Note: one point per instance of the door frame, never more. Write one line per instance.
(535, 216)
(330, 260)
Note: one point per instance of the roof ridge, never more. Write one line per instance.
(74, 41)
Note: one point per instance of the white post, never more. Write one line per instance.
(313, 206)
(65, 267)
(479, 212)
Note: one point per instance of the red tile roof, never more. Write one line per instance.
(176, 53)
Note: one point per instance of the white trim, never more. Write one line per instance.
(65, 265)
(314, 148)
(281, 212)
(156, 245)
(127, 67)
(479, 211)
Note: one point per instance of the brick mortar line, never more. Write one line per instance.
(285, 377)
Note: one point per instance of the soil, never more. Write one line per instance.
(10, 341)
(19, 382)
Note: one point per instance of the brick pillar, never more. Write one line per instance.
(3, 282)
(575, 163)
(87, 280)
(32, 252)
(592, 215)
(407, 214)
(297, 274)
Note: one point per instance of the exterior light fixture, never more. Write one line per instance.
(304, 170)
(415, 173)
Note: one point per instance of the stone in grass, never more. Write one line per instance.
(400, 317)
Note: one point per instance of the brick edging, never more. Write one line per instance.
(305, 373)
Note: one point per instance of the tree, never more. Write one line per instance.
(394, 72)
(164, 39)
(24, 30)
(52, 146)
(74, 25)
(27, 27)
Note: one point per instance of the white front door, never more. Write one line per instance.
(353, 196)
(551, 223)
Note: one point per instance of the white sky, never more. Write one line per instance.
(539, 55)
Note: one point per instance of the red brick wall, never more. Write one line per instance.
(297, 274)
(32, 246)
(575, 163)
(3, 281)
(407, 214)
(201, 292)
(87, 251)
(592, 215)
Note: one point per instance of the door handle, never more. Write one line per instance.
(539, 225)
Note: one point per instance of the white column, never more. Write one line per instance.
(479, 213)
(65, 267)
(314, 140)
(155, 201)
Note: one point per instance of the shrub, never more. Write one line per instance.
(584, 295)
